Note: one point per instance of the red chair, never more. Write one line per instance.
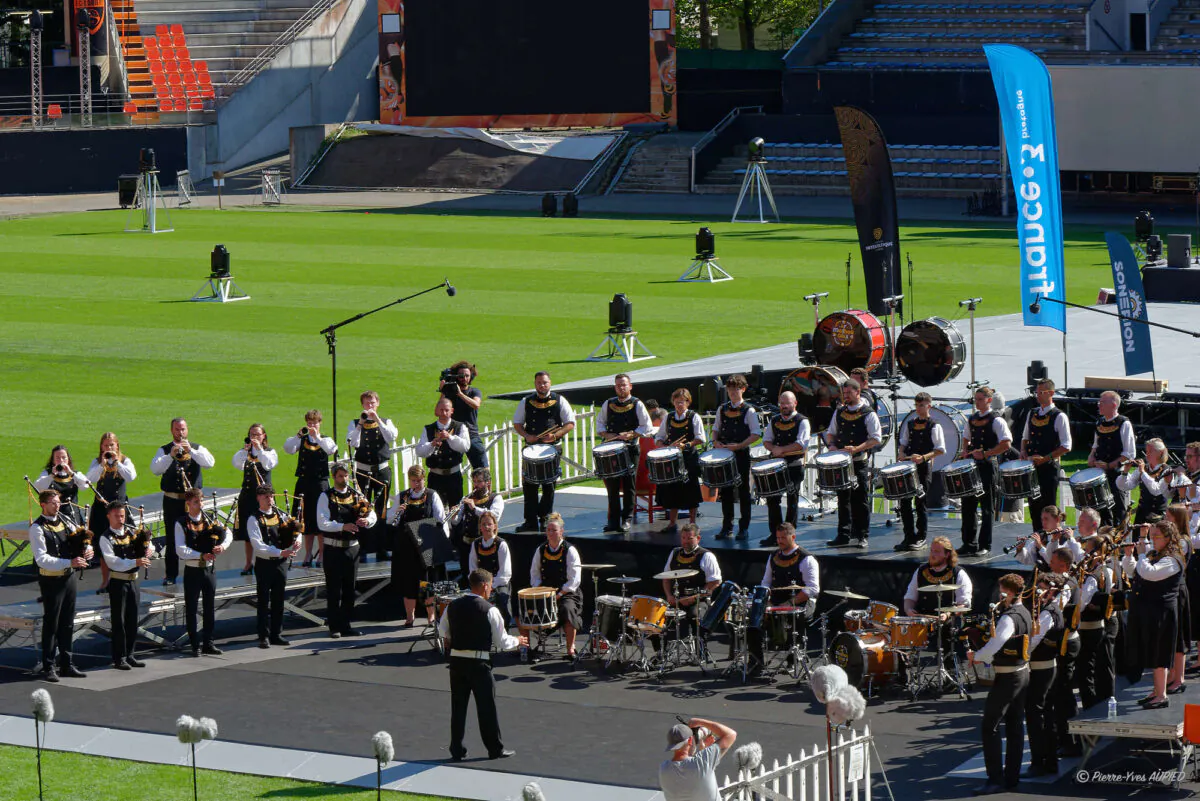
(190, 79)
(204, 78)
(156, 68)
(181, 105)
(152, 53)
(185, 64)
(201, 66)
(643, 487)
(54, 111)
(191, 91)
(196, 105)
(177, 92)
(150, 41)
(158, 79)
(161, 31)
(179, 41)
(207, 93)
(171, 68)
(129, 108)
(175, 79)
(164, 105)
(162, 92)
(177, 30)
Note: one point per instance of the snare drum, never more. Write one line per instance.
(910, 632)
(537, 608)
(850, 339)
(900, 481)
(930, 352)
(863, 656)
(718, 469)
(771, 478)
(1018, 479)
(540, 464)
(666, 466)
(611, 460)
(648, 614)
(835, 471)
(854, 620)
(1089, 487)
(880, 612)
(961, 479)
(780, 624)
(609, 611)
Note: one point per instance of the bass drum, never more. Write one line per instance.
(850, 339)
(887, 418)
(863, 656)
(953, 424)
(818, 390)
(930, 352)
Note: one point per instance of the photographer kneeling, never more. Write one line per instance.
(456, 385)
(696, 749)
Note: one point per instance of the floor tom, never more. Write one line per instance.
(910, 632)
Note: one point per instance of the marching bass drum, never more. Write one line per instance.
(850, 339)
(953, 424)
(813, 386)
(930, 352)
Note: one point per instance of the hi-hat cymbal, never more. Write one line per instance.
(671, 575)
(939, 588)
(853, 596)
(790, 587)
(954, 610)
(596, 567)
(623, 580)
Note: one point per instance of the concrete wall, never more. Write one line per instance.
(1127, 119)
(326, 76)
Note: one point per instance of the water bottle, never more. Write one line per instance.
(525, 654)
(1112, 707)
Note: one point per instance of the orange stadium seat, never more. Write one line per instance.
(190, 79)
(177, 30)
(196, 104)
(150, 41)
(129, 108)
(156, 68)
(161, 31)
(164, 104)
(207, 92)
(159, 79)
(201, 66)
(181, 105)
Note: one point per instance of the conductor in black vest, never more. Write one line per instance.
(544, 417)
(1047, 437)
(988, 438)
(854, 429)
(180, 463)
(623, 418)
(736, 429)
(442, 445)
(1113, 445)
(473, 629)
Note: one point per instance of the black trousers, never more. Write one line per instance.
(58, 616)
(775, 502)
(1062, 696)
(477, 453)
(1047, 479)
(1095, 671)
(123, 599)
(854, 505)
(199, 582)
(341, 573)
(979, 533)
(1114, 514)
(742, 493)
(377, 486)
(924, 480)
(449, 488)
(473, 677)
(502, 601)
(1005, 704)
(620, 498)
(271, 577)
(537, 510)
(1043, 747)
(173, 509)
(310, 490)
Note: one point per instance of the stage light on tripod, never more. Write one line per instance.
(1143, 225)
(146, 160)
(757, 149)
(620, 313)
(706, 244)
(220, 262)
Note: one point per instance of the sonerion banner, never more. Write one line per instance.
(873, 193)
(1131, 302)
(1027, 113)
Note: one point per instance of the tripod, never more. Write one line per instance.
(756, 184)
(682, 650)
(151, 202)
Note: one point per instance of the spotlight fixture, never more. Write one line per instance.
(146, 160)
(1035, 372)
(706, 244)
(1143, 225)
(35, 21)
(220, 262)
(620, 313)
(757, 147)
(549, 205)
(1154, 248)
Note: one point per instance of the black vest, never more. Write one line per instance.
(372, 447)
(553, 564)
(785, 432)
(1158, 594)
(445, 456)
(1148, 502)
(785, 570)
(681, 560)
(542, 414)
(341, 505)
(253, 474)
(1072, 608)
(123, 545)
(111, 485)
(468, 529)
(980, 434)
(1097, 608)
(1051, 643)
(312, 462)
(621, 417)
(1043, 439)
(928, 602)
(1012, 653)
(268, 525)
(418, 508)
(920, 435)
(680, 429)
(172, 480)
(199, 535)
(56, 536)
(1108, 438)
(734, 424)
(852, 428)
(488, 558)
(469, 626)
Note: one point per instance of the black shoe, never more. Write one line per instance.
(50, 674)
(121, 664)
(263, 643)
(196, 652)
(247, 571)
(838, 542)
(1182, 688)
(626, 526)
(306, 563)
(861, 543)
(458, 757)
(279, 641)
(982, 551)
(167, 582)
(917, 545)
(670, 530)
(967, 550)
(725, 533)
(989, 789)
(527, 526)
(1036, 771)
(335, 635)
(768, 542)
(1163, 704)
(71, 672)
(135, 662)
(351, 633)
(208, 649)
(743, 534)
(505, 754)
(903, 545)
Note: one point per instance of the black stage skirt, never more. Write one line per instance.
(570, 610)
(686, 494)
(1155, 631)
(408, 569)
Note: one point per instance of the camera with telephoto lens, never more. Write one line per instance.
(450, 382)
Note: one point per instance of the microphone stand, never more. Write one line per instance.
(330, 332)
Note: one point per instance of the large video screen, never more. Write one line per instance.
(526, 63)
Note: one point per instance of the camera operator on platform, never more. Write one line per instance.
(456, 385)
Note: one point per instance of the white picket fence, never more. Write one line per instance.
(806, 778)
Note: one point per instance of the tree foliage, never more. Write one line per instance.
(785, 19)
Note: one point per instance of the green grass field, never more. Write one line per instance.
(75, 777)
(96, 336)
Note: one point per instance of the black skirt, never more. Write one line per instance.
(408, 569)
(684, 495)
(1183, 613)
(247, 502)
(570, 610)
(1155, 631)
